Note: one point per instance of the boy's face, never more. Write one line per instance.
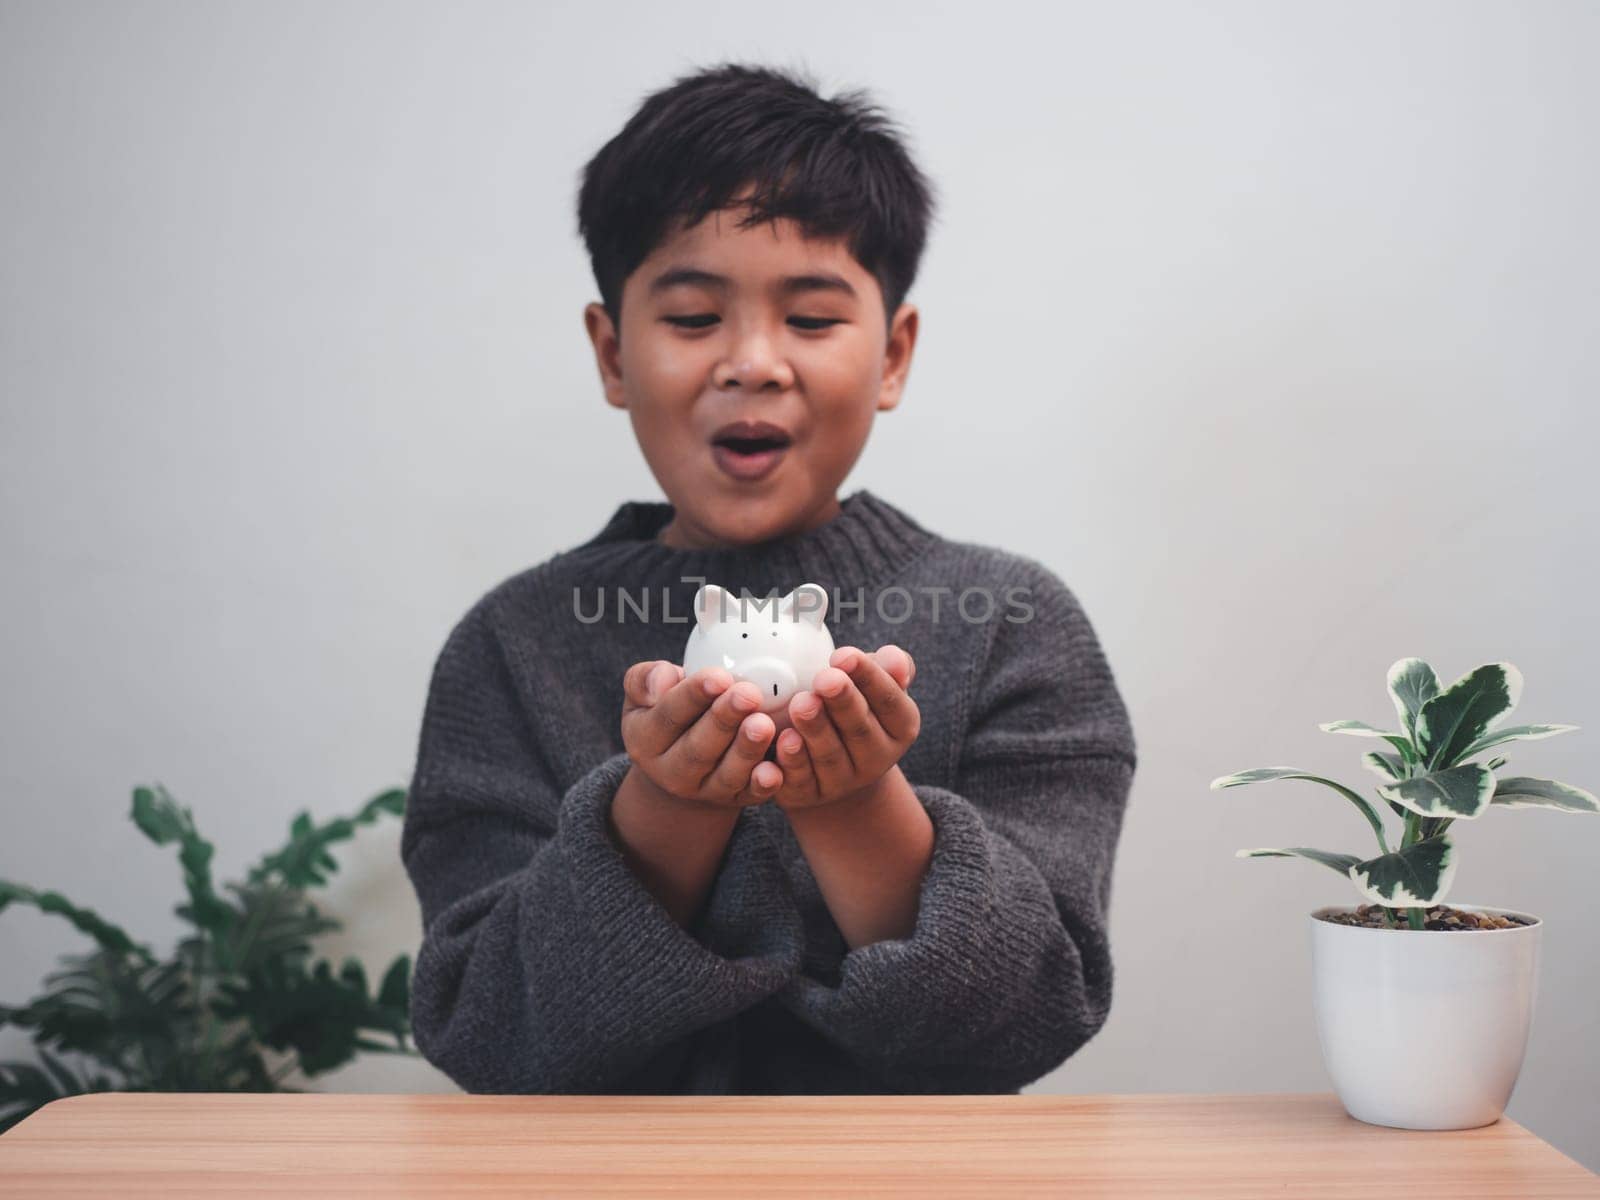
(724, 325)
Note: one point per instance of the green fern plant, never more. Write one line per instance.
(1429, 782)
(199, 1021)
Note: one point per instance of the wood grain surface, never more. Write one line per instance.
(321, 1145)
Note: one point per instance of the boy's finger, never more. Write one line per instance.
(798, 777)
(644, 682)
(733, 773)
(661, 679)
(896, 712)
(698, 750)
(897, 662)
(858, 726)
(766, 780)
(633, 695)
(678, 708)
(830, 761)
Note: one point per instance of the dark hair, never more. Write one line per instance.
(837, 167)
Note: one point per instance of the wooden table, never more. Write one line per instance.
(316, 1145)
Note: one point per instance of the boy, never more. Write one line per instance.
(628, 883)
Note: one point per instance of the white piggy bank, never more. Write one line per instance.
(778, 643)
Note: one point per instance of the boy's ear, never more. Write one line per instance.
(897, 356)
(607, 351)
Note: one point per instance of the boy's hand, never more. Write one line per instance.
(700, 740)
(854, 725)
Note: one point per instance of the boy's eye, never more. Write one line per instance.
(705, 320)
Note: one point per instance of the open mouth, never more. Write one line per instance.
(758, 445)
(748, 458)
(748, 450)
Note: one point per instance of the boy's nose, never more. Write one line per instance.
(753, 371)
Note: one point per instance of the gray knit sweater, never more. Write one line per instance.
(546, 965)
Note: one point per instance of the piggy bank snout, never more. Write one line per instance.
(773, 676)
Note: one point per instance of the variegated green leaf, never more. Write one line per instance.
(1412, 684)
(1460, 792)
(1519, 791)
(1419, 874)
(1339, 862)
(1512, 733)
(1388, 766)
(86, 920)
(1464, 712)
(1498, 761)
(1359, 728)
(1362, 729)
(163, 820)
(1263, 774)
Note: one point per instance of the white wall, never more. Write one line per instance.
(1271, 327)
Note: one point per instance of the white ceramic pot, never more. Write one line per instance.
(1424, 1029)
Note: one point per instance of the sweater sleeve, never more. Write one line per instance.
(1008, 969)
(546, 966)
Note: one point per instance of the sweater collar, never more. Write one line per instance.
(865, 543)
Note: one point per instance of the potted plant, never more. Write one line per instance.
(1421, 1030)
(237, 989)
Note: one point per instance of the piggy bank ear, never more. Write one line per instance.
(710, 604)
(808, 602)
